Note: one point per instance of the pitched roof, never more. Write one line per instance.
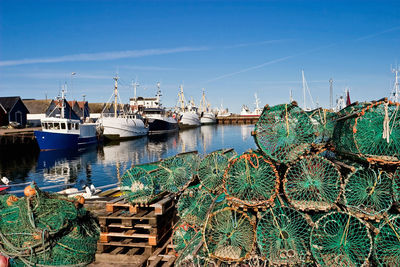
(37, 106)
(8, 102)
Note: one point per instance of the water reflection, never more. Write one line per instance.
(106, 164)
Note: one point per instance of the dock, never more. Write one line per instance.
(18, 137)
(236, 119)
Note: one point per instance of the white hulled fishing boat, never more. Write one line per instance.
(245, 111)
(188, 114)
(207, 116)
(121, 124)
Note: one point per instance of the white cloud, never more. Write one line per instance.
(101, 56)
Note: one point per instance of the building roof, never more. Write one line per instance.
(8, 102)
(37, 106)
(2, 108)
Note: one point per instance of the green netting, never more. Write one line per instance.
(387, 243)
(251, 179)
(182, 235)
(41, 230)
(340, 239)
(229, 235)
(138, 184)
(396, 186)
(324, 122)
(193, 205)
(368, 191)
(312, 183)
(372, 133)
(194, 254)
(175, 173)
(283, 236)
(212, 169)
(284, 132)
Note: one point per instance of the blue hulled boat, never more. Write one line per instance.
(62, 133)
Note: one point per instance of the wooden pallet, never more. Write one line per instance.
(142, 227)
(163, 256)
(123, 253)
(159, 206)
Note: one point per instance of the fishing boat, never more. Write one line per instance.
(189, 117)
(159, 120)
(65, 133)
(121, 124)
(245, 111)
(207, 116)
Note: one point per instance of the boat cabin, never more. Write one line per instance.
(60, 125)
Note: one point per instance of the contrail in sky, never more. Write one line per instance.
(101, 56)
(270, 62)
(303, 53)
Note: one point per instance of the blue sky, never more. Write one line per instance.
(233, 49)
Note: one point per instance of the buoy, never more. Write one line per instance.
(29, 190)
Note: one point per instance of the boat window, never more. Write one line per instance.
(69, 126)
(51, 126)
(56, 126)
(76, 126)
(63, 126)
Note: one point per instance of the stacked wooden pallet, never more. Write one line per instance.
(132, 233)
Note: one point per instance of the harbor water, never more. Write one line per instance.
(105, 164)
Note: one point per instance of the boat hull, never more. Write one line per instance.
(55, 141)
(208, 118)
(160, 126)
(189, 120)
(122, 128)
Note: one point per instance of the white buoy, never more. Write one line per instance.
(5, 180)
(92, 188)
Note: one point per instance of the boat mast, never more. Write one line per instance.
(135, 85)
(257, 101)
(203, 102)
(181, 100)
(330, 93)
(115, 95)
(395, 92)
(158, 95)
(304, 90)
(62, 102)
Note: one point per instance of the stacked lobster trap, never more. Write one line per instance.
(323, 189)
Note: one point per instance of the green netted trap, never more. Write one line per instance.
(312, 183)
(387, 243)
(368, 192)
(212, 169)
(47, 230)
(251, 179)
(193, 205)
(182, 235)
(324, 122)
(371, 133)
(283, 237)
(229, 235)
(284, 132)
(340, 239)
(175, 173)
(139, 185)
(194, 254)
(396, 186)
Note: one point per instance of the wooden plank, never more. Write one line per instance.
(130, 244)
(155, 261)
(117, 250)
(170, 262)
(132, 251)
